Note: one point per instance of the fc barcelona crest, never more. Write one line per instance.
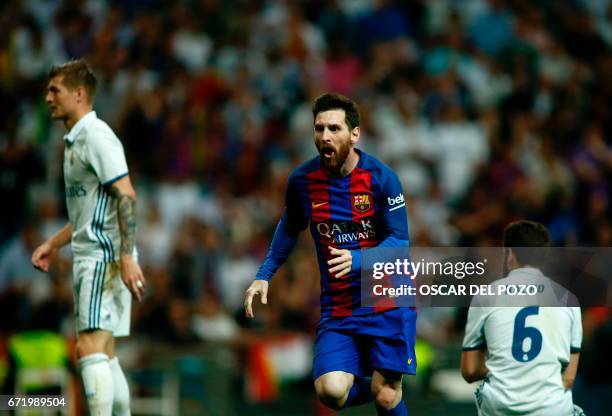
(361, 202)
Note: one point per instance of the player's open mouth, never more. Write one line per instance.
(327, 152)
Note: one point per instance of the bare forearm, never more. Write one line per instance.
(125, 196)
(126, 212)
(473, 367)
(569, 374)
(132, 277)
(481, 372)
(62, 237)
(475, 374)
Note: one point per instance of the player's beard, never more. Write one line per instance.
(333, 162)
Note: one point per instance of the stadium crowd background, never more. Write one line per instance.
(488, 110)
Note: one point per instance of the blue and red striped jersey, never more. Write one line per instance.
(364, 209)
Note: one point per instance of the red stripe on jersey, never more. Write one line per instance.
(342, 298)
(318, 191)
(362, 200)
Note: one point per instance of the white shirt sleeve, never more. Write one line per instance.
(474, 330)
(105, 154)
(576, 340)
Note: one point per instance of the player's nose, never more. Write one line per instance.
(327, 136)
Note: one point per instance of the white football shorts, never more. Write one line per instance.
(101, 299)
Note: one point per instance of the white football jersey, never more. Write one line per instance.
(93, 160)
(527, 348)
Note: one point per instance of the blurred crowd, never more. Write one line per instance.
(488, 110)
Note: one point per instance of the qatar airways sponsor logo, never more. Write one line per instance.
(347, 231)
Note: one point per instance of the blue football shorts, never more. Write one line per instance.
(361, 344)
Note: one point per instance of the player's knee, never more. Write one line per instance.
(84, 347)
(332, 391)
(90, 343)
(386, 396)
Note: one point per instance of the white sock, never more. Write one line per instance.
(98, 383)
(121, 399)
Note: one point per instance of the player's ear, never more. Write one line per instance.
(511, 262)
(355, 133)
(81, 94)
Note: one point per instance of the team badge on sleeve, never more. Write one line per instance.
(361, 202)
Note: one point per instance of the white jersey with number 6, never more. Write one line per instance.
(527, 348)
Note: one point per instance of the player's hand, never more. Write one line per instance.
(342, 262)
(42, 256)
(258, 287)
(132, 276)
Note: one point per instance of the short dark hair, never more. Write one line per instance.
(527, 234)
(329, 101)
(77, 73)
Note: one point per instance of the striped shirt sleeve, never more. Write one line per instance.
(104, 152)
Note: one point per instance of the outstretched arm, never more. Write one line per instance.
(124, 194)
(282, 244)
(43, 255)
(292, 222)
